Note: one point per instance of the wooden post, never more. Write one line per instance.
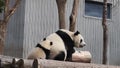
(20, 63)
(17, 64)
(73, 15)
(35, 63)
(13, 63)
(105, 32)
(61, 12)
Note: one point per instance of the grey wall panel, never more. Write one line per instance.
(41, 19)
(114, 36)
(14, 38)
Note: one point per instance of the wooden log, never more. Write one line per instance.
(17, 64)
(42, 63)
(81, 56)
(64, 64)
(12, 64)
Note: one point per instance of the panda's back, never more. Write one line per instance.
(62, 42)
(61, 39)
(57, 41)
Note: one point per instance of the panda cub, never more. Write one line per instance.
(41, 51)
(64, 43)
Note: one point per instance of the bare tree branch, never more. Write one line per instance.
(61, 11)
(73, 15)
(12, 10)
(6, 8)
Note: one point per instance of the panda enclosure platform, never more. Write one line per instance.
(11, 62)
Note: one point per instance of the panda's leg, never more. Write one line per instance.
(69, 54)
(60, 56)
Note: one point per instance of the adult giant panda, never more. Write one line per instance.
(64, 43)
(41, 51)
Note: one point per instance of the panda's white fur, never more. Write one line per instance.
(41, 51)
(59, 47)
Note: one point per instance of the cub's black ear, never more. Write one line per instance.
(51, 43)
(76, 33)
(44, 39)
(38, 45)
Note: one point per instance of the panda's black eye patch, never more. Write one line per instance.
(51, 43)
(81, 40)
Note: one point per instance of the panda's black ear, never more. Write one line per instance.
(76, 33)
(44, 39)
(51, 43)
(38, 45)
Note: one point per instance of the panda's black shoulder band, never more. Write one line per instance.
(69, 43)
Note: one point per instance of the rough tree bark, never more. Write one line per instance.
(2, 36)
(105, 32)
(8, 12)
(73, 15)
(61, 12)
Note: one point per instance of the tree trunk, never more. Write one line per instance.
(61, 12)
(2, 36)
(105, 32)
(73, 15)
(8, 12)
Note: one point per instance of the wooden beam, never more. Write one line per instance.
(43, 63)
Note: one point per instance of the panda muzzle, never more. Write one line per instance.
(82, 45)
